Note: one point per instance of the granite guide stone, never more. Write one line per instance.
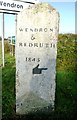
(36, 51)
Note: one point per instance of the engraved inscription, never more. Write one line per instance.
(29, 59)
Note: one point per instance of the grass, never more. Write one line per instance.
(0, 54)
(66, 84)
(66, 95)
(8, 87)
(0, 84)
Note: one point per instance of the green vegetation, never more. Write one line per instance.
(0, 54)
(8, 85)
(66, 79)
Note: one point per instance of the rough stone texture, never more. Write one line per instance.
(36, 50)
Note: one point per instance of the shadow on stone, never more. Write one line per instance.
(43, 114)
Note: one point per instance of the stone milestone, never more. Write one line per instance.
(36, 51)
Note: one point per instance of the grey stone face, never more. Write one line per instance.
(36, 50)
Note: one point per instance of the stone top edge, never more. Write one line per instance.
(39, 7)
(43, 5)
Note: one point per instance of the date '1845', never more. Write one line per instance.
(29, 59)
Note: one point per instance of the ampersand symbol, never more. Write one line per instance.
(32, 37)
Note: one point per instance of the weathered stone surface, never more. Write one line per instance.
(36, 50)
